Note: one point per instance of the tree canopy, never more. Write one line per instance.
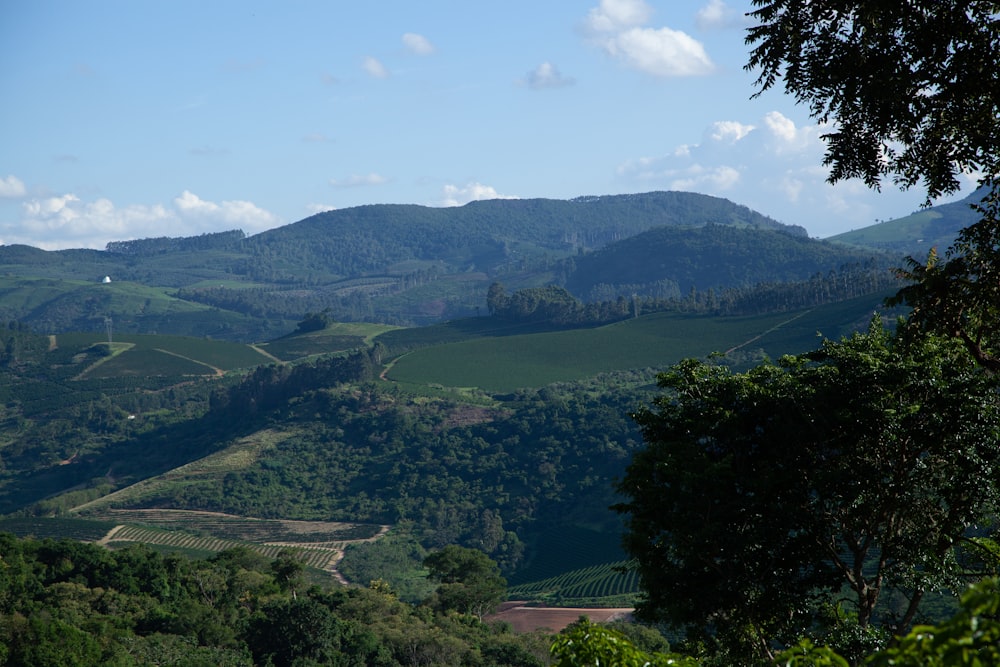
(761, 495)
(912, 93)
(911, 88)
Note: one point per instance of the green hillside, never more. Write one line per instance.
(675, 260)
(394, 264)
(505, 363)
(915, 234)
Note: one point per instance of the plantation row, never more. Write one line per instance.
(318, 557)
(599, 581)
(328, 534)
(83, 530)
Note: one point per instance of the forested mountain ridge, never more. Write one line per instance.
(402, 264)
(670, 261)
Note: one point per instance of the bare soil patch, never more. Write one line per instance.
(528, 619)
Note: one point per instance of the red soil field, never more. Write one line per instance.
(528, 619)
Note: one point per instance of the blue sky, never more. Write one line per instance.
(133, 119)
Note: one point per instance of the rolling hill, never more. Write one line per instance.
(387, 263)
(915, 234)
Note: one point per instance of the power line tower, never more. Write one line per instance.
(107, 326)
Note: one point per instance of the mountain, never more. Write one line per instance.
(915, 234)
(401, 264)
(674, 260)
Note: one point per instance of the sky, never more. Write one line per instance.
(124, 119)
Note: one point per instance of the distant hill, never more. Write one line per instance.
(915, 234)
(402, 264)
(677, 259)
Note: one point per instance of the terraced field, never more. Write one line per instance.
(317, 544)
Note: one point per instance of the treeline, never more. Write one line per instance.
(557, 306)
(161, 245)
(68, 603)
(268, 387)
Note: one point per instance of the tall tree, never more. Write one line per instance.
(760, 495)
(912, 93)
(469, 580)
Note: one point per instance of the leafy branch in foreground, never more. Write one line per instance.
(761, 496)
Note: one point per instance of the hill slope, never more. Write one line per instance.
(391, 263)
(917, 233)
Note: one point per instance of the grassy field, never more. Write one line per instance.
(505, 363)
(339, 337)
(208, 354)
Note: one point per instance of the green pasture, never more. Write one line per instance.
(533, 360)
(26, 294)
(339, 337)
(506, 363)
(154, 354)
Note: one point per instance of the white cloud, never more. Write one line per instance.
(729, 130)
(313, 209)
(718, 15)
(457, 196)
(418, 44)
(773, 166)
(663, 52)
(720, 178)
(374, 67)
(247, 215)
(617, 15)
(68, 222)
(358, 180)
(545, 76)
(12, 187)
(619, 27)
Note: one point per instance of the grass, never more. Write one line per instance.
(84, 530)
(504, 363)
(151, 354)
(533, 360)
(339, 337)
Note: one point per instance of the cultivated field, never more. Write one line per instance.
(506, 363)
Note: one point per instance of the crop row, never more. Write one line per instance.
(328, 534)
(72, 529)
(598, 581)
(313, 557)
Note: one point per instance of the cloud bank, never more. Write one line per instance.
(774, 167)
(66, 221)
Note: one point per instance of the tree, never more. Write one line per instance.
(912, 88)
(588, 644)
(913, 93)
(970, 638)
(760, 495)
(469, 581)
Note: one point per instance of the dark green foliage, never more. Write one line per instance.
(65, 603)
(848, 467)
(713, 256)
(914, 94)
(315, 322)
(469, 582)
(912, 86)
